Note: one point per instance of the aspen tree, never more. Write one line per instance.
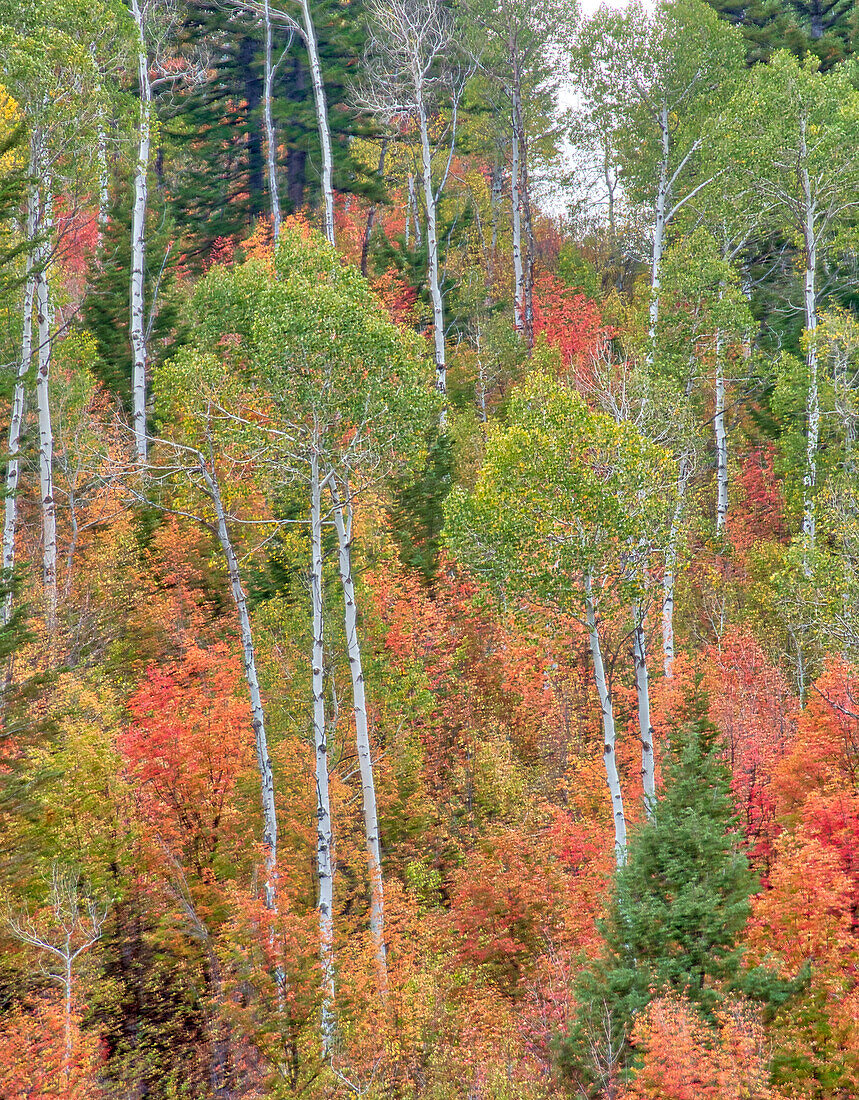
(413, 74)
(658, 81)
(155, 22)
(796, 152)
(563, 494)
(349, 397)
(52, 76)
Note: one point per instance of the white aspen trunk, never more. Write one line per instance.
(321, 120)
(270, 138)
(496, 192)
(721, 438)
(812, 408)
(46, 434)
(67, 1022)
(612, 777)
(18, 411)
(137, 320)
(432, 248)
(518, 271)
(103, 171)
(669, 576)
(525, 199)
(269, 811)
(324, 831)
(413, 209)
(659, 227)
(343, 517)
(645, 729)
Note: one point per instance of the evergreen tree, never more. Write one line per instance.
(679, 907)
(825, 28)
(217, 132)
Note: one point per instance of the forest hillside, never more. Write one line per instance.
(429, 598)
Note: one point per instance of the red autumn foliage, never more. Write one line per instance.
(757, 514)
(753, 705)
(570, 322)
(188, 741)
(505, 901)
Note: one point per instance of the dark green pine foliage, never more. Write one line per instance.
(416, 515)
(679, 907)
(763, 24)
(105, 312)
(215, 140)
(827, 29)
(214, 155)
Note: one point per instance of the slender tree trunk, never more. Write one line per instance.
(270, 138)
(525, 198)
(343, 521)
(46, 434)
(812, 407)
(669, 576)
(496, 192)
(645, 729)
(67, 1013)
(413, 210)
(321, 119)
(612, 777)
(19, 401)
(264, 767)
(138, 241)
(324, 831)
(659, 227)
(103, 170)
(516, 198)
(432, 250)
(721, 437)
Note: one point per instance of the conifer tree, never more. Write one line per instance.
(678, 911)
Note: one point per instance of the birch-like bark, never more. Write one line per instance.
(659, 225)
(525, 199)
(270, 138)
(609, 758)
(46, 434)
(496, 192)
(18, 410)
(645, 729)
(721, 438)
(137, 320)
(812, 408)
(415, 213)
(321, 120)
(324, 831)
(103, 170)
(669, 576)
(518, 271)
(432, 246)
(343, 522)
(269, 811)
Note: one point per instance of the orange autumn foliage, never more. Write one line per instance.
(685, 1059)
(34, 1064)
